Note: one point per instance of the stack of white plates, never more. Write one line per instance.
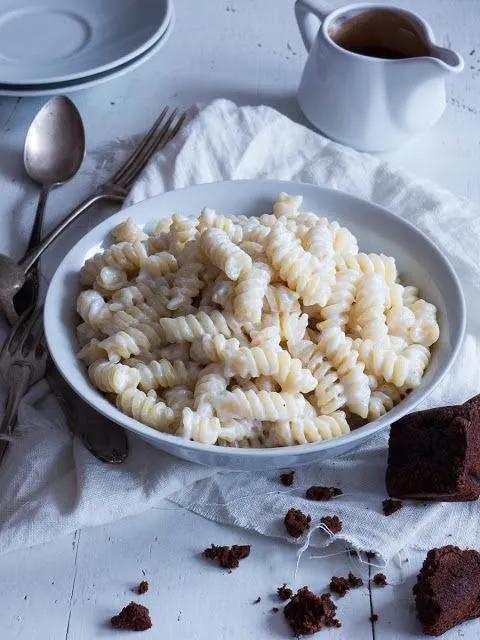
(56, 47)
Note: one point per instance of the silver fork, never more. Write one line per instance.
(162, 131)
(23, 360)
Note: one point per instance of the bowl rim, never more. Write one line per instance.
(52, 320)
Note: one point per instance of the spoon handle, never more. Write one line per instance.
(36, 234)
(32, 256)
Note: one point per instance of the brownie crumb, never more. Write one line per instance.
(308, 613)
(142, 588)
(340, 586)
(274, 609)
(287, 478)
(322, 493)
(284, 592)
(257, 600)
(228, 557)
(373, 617)
(390, 506)
(354, 581)
(133, 617)
(296, 522)
(333, 523)
(380, 580)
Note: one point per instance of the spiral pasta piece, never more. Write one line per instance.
(336, 312)
(281, 299)
(383, 400)
(382, 265)
(139, 406)
(339, 351)
(261, 405)
(308, 430)
(163, 373)
(93, 309)
(224, 254)
(368, 312)
(210, 219)
(249, 293)
(112, 378)
(299, 269)
(125, 256)
(199, 427)
(128, 231)
(193, 326)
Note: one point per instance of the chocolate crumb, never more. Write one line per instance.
(228, 557)
(390, 506)
(287, 478)
(142, 588)
(380, 579)
(340, 586)
(308, 613)
(354, 581)
(333, 523)
(373, 617)
(274, 609)
(133, 617)
(322, 493)
(257, 600)
(284, 592)
(296, 522)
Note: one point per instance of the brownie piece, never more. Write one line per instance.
(435, 454)
(228, 557)
(133, 617)
(287, 478)
(380, 580)
(354, 581)
(308, 613)
(341, 586)
(448, 589)
(284, 592)
(322, 493)
(391, 506)
(142, 588)
(333, 523)
(296, 522)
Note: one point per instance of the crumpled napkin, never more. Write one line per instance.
(50, 485)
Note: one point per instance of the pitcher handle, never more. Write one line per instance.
(309, 14)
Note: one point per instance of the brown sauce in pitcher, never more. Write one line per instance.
(379, 33)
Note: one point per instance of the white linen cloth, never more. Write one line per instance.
(50, 485)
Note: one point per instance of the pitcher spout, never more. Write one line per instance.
(448, 61)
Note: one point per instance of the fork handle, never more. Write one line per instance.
(19, 377)
(32, 256)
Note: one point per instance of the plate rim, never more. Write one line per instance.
(360, 434)
(72, 86)
(109, 66)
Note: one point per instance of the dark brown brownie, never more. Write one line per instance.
(354, 581)
(380, 580)
(142, 588)
(228, 557)
(322, 493)
(333, 523)
(284, 592)
(296, 522)
(390, 506)
(341, 586)
(257, 601)
(287, 478)
(448, 589)
(435, 454)
(308, 613)
(133, 617)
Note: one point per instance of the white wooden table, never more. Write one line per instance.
(249, 51)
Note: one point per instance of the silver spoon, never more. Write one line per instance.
(54, 150)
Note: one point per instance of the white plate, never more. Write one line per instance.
(43, 41)
(419, 261)
(33, 91)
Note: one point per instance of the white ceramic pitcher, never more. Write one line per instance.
(371, 103)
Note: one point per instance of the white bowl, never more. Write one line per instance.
(419, 262)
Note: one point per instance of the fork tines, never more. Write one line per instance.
(165, 127)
